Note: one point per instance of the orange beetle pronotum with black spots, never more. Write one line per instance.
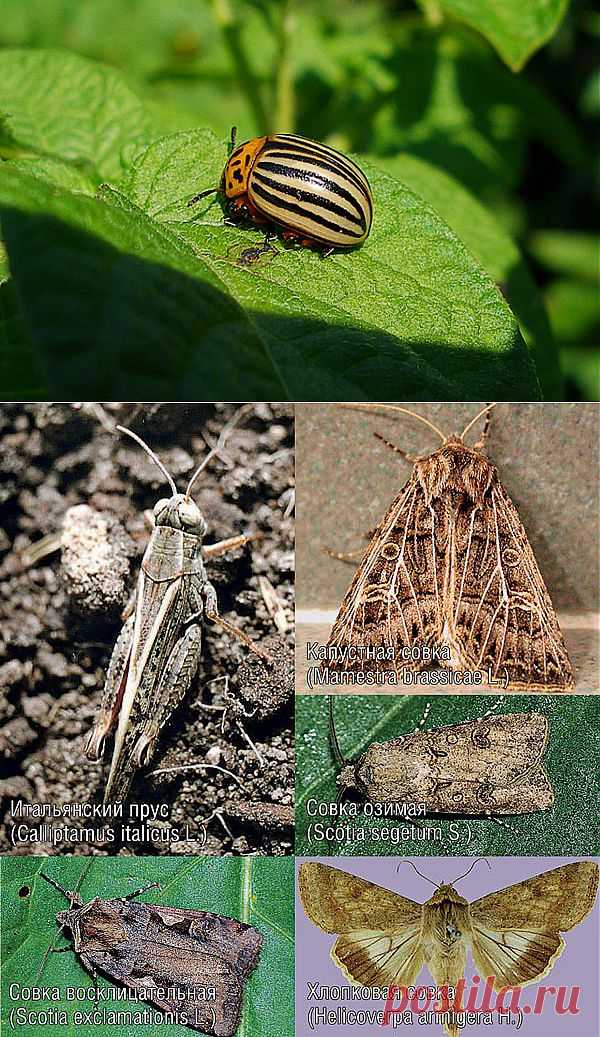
(312, 193)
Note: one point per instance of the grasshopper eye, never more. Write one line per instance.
(190, 514)
(161, 505)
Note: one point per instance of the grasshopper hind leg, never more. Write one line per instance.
(175, 682)
(113, 692)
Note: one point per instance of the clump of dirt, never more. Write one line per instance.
(227, 752)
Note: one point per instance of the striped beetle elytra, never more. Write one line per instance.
(311, 193)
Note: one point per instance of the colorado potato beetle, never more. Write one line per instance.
(313, 194)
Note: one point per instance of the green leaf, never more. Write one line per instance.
(21, 374)
(411, 310)
(58, 105)
(574, 310)
(567, 252)
(361, 720)
(514, 28)
(258, 891)
(495, 250)
(117, 303)
(582, 368)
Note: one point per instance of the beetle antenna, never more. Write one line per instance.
(476, 418)
(453, 883)
(335, 745)
(151, 454)
(232, 139)
(395, 406)
(239, 414)
(420, 874)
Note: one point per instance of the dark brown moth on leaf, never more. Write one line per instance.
(483, 767)
(385, 939)
(190, 963)
(450, 567)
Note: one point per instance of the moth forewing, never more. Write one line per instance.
(450, 566)
(487, 766)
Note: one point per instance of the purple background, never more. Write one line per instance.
(578, 964)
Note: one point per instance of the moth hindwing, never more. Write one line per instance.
(157, 652)
(190, 963)
(450, 566)
(385, 939)
(491, 765)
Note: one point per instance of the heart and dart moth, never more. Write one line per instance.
(385, 939)
(450, 567)
(192, 964)
(157, 652)
(483, 767)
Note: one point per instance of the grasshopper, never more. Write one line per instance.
(157, 652)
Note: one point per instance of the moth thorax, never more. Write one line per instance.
(455, 469)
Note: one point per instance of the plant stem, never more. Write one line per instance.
(284, 106)
(250, 85)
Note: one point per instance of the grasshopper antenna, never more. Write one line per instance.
(453, 883)
(151, 454)
(226, 432)
(419, 873)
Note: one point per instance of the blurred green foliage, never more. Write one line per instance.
(485, 111)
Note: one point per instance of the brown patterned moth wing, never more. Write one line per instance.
(500, 611)
(392, 600)
(380, 941)
(516, 931)
(147, 945)
(491, 765)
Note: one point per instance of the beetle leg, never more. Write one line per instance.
(113, 691)
(328, 251)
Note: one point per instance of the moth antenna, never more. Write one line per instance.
(453, 883)
(476, 418)
(151, 454)
(219, 444)
(420, 874)
(403, 410)
(335, 745)
(57, 885)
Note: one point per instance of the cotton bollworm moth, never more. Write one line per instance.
(450, 566)
(385, 939)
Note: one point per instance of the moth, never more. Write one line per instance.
(386, 939)
(491, 765)
(450, 566)
(205, 958)
(157, 652)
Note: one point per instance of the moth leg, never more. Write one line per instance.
(174, 684)
(212, 614)
(113, 690)
(350, 556)
(479, 445)
(396, 449)
(216, 550)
